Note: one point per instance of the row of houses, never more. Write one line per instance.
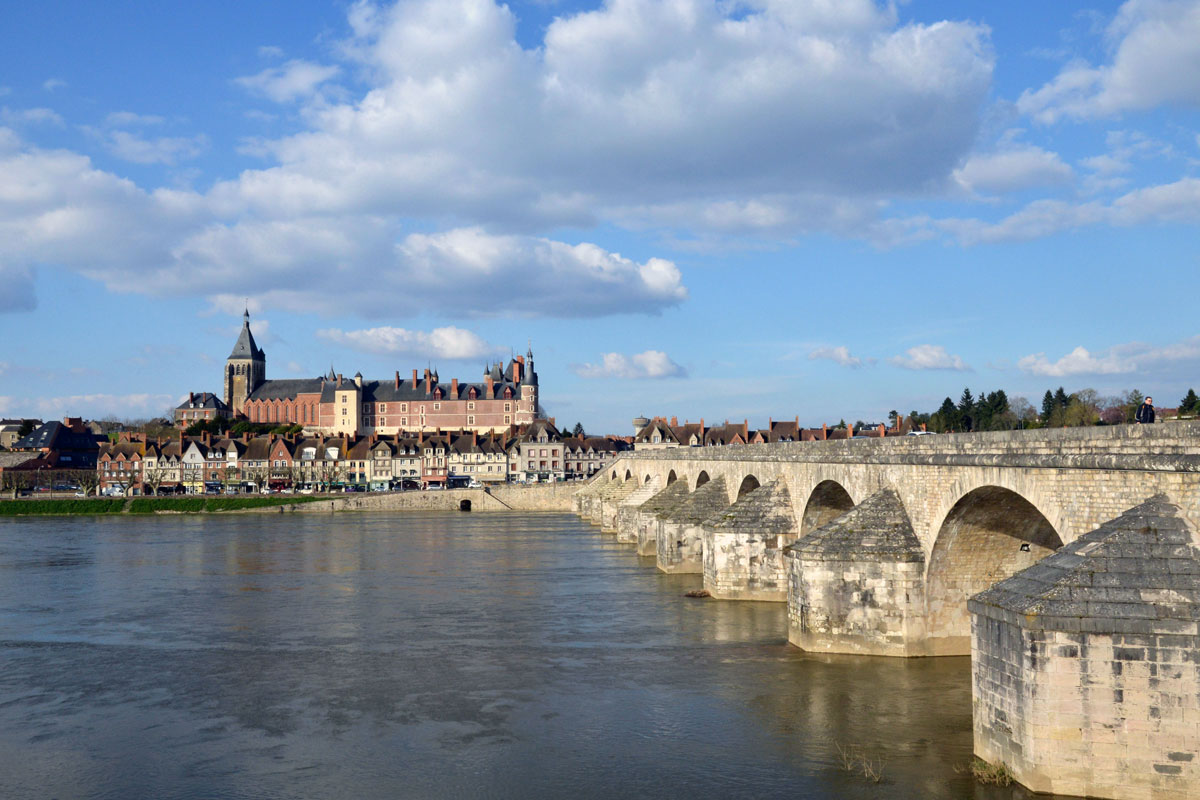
(532, 453)
(658, 432)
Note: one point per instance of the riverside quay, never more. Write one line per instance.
(1065, 562)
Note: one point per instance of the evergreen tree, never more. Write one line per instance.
(966, 410)
(1190, 404)
(946, 418)
(1047, 406)
(578, 430)
(1061, 399)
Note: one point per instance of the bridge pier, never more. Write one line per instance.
(679, 543)
(610, 503)
(857, 584)
(586, 498)
(743, 546)
(645, 522)
(1086, 666)
(627, 510)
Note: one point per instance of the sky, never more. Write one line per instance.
(723, 210)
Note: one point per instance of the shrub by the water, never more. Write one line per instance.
(12, 508)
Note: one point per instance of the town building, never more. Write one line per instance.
(200, 407)
(333, 404)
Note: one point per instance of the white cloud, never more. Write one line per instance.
(161, 150)
(1012, 169)
(1118, 360)
(50, 84)
(270, 51)
(929, 356)
(34, 116)
(125, 119)
(838, 355)
(648, 364)
(1156, 61)
(447, 342)
(1177, 202)
(90, 406)
(294, 80)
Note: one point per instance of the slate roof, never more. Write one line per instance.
(767, 509)
(57, 436)
(877, 529)
(700, 504)
(287, 388)
(202, 400)
(245, 346)
(1137, 573)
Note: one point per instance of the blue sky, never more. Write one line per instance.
(719, 210)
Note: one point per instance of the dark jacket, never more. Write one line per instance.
(1145, 414)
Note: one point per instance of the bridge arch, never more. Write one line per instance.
(701, 479)
(748, 485)
(628, 474)
(646, 479)
(827, 501)
(989, 534)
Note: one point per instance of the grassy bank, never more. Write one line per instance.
(143, 505)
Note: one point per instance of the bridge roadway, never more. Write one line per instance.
(959, 513)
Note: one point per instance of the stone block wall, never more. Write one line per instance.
(1089, 714)
(856, 606)
(679, 547)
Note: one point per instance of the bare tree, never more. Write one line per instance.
(152, 478)
(14, 481)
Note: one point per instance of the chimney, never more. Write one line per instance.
(702, 427)
(246, 436)
(882, 431)
(428, 388)
(674, 422)
(824, 431)
(454, 388)
(191, 397)
(745, 429)
(488, 388)
(474, 437)
(397, 379)
(922, 426)
(414, 379)
(339, 381)
(207, 437)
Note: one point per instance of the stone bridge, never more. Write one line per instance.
(910, 526)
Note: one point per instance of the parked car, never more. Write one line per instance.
(920, 433)
(474, 484)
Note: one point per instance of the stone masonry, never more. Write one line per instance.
(645, 521)
(627, 509)
(856, 585)
(680, 539)
(743, 546)
(1086, 666)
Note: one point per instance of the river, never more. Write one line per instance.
(430, 655)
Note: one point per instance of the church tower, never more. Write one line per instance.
(245, 369)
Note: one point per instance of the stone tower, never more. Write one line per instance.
(245, 369)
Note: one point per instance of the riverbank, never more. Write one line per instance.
(543, 497)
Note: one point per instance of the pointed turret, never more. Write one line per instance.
(245, 369)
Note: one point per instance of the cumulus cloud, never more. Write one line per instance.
(1156, 61)
(294, 80)
(448, 342)
(1117, 360)
(159, 150)
(648, 364)
(929, 356)
(50, 84)
(1012, 169)
(124, 119)
(838, 355)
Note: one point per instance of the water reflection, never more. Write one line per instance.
(437, 655)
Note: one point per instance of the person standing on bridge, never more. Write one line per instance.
(1145, 412)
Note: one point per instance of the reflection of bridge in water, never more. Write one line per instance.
(876, 545)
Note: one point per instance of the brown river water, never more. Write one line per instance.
(432, 655)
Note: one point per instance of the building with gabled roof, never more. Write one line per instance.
(506, 395)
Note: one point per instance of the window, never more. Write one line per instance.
(345, 398)
(366, 407)
(470, 419)
(507, 407)
(403, 421)
(507, 420)
(470, 406)
(403, 407)
(437, 406)
(383, 408)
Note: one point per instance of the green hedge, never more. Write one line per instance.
(12, 508)
(144, 505)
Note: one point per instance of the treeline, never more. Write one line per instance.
(224, 427)
(994, 411)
